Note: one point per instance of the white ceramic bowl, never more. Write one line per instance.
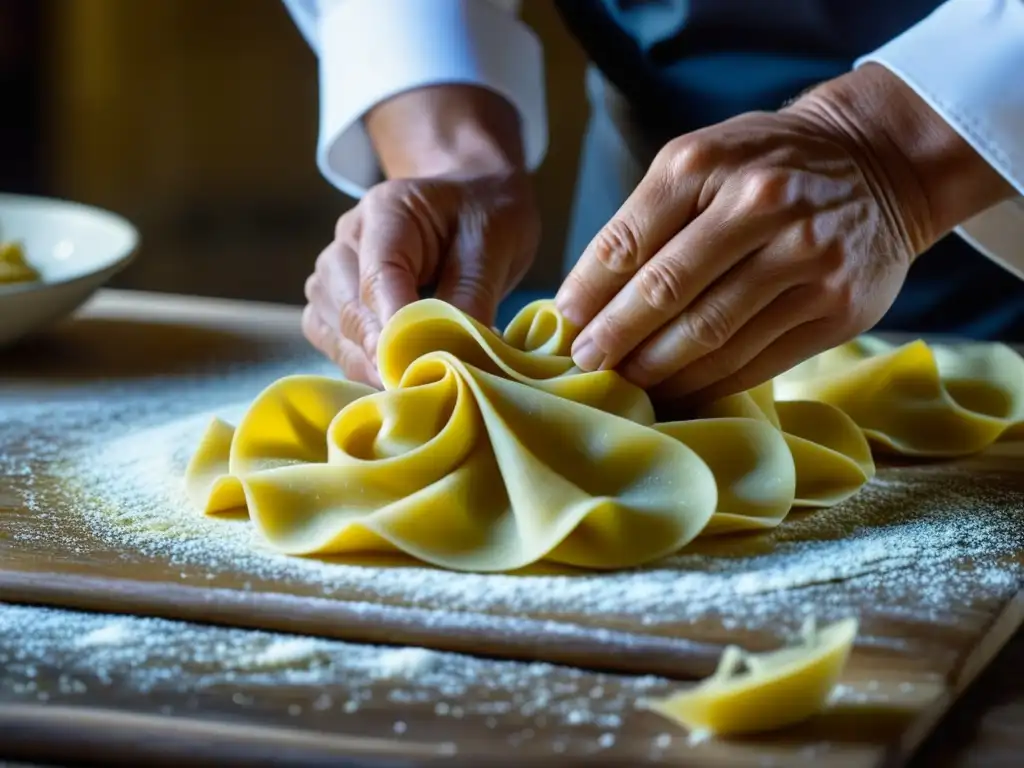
(76, 249)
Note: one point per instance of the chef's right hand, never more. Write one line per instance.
(457, 213)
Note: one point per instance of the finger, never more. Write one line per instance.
(664, 201)
(338, 263)
(787, 350)
(474, 274)
(309, 288)
(473, 287)
(353, 319)
(790, 309)
(331, 285)
(723, 312)
(712, 244)
(320, 334)
(325, 300)
(347, 355)
(391, 256)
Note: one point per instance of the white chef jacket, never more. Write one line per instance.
(966, 60)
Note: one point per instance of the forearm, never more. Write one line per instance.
(939, 179)
(445, 130)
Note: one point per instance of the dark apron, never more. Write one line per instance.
(685, 64)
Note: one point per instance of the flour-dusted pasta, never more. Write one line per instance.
(755, 692)
(489, 452)
(918, 399)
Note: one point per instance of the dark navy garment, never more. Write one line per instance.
(686, 64)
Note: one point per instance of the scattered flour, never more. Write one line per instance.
(287, 652)
(109, 634)
(408, 661)
(172, 666)
(101, 466)
(901, 539)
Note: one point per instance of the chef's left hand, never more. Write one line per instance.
(754, 244)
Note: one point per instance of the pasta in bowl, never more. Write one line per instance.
(14, 267)
(53, 255)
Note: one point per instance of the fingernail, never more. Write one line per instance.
(566, 310)
(587, 356)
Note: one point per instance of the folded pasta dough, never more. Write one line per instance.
(916, 399)
(756, 692)
(489, 452)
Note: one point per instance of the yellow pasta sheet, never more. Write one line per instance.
(489, 452)
(755, 692)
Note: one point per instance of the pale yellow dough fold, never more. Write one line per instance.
(490, 452)
(756, 692)
(918, 399)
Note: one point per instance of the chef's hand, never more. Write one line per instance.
(754, 244)
(457, 213)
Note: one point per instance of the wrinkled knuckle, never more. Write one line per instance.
(709, 327)
(370, 282)
(687, 154)
(617, 247)
(477, 290)
(670, 153)
(766, 190)
(352, 321)
(479, 285)
(379, 194)
(661, 286)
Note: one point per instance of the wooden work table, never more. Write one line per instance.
(79, 684)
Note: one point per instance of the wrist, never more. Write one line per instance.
(936, 180)
(446, 130)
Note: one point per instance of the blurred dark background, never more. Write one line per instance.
(197, 120)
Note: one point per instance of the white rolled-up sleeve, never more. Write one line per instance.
(966, 60)
(371, 50)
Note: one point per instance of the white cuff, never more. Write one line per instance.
(371, 50)
(966, 60)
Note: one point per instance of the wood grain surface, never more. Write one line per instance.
(913, 660)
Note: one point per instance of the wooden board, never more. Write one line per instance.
(139, 692)
(929, 622)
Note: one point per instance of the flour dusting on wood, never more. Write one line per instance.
(178, 668)
(105, 468)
